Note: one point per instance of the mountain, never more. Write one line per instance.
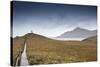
(78, 33)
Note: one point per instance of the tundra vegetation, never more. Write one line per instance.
(42, 50)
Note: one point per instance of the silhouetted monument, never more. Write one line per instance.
(31, 31)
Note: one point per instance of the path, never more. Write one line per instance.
(24, 60)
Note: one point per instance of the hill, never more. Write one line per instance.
(91, 39)
(42, 50)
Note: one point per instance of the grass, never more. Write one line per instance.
(18, 44)
(47, 51)
(42, 50)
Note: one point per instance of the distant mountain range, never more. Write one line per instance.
(78, 33)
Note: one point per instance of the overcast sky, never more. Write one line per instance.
(51, 19)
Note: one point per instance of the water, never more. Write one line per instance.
(69, 39)
(24, 61)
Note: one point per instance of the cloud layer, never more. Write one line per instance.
(51, 19)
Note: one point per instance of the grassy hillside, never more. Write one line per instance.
(92, 39)
(42, 50)
(18, 43)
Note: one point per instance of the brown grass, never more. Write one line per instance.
(46, 51)
(41, 50)
(17, 47)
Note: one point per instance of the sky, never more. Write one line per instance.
(51, 20)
